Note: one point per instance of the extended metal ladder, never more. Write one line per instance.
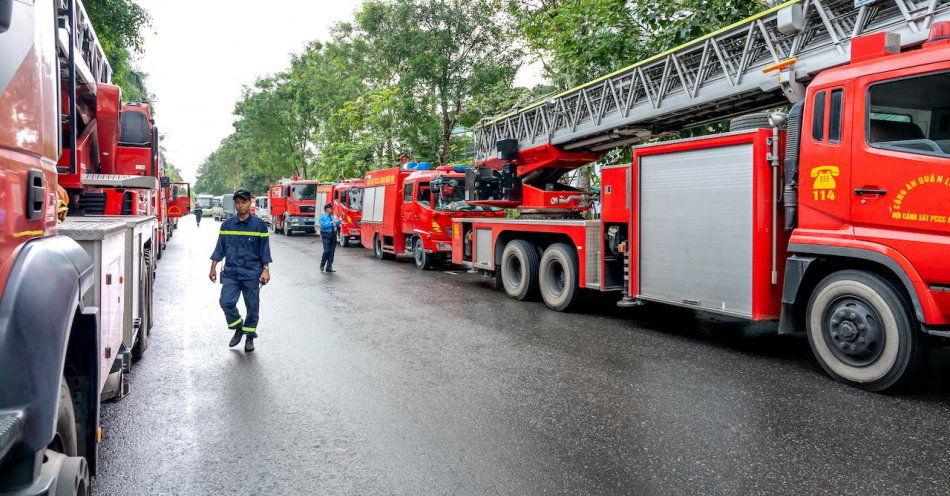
(90, 58)
(82, 60)
(757, 63)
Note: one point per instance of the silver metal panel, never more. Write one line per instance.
(379, 204)
(120, 181)
(369, 205)
(483, 249)
(594, 245)
(369, 194)
(696, 228)
(91, 228)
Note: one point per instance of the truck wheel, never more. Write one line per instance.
(557, 277)
(862, 331)
(519, 269)
(423, 259)
(342, 240)
(287, 230)
(141, 341)
(64, 440)
(70, 472)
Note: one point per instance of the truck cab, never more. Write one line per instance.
(431, 199)
(292, 205)
(873, 215)
(347, 206)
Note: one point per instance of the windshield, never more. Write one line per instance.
(204, 202)
(355, 199)
(304, 191)
(448, 193)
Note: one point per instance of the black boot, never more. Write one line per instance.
(249, 343)
(238, 334)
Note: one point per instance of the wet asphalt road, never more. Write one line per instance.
(381, 379)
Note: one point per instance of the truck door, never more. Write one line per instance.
(900, 188)
(408, 208)
(826, 159)
(278, 204)
(425, 214)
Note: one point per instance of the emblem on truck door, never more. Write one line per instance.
(825, 185)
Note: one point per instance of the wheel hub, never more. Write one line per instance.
(853, 331)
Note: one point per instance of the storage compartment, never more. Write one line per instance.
(104, 239)
(704, 218)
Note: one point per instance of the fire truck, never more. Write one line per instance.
(178, 201)
(75, 297)
(347, 206)
(831, 219)
(292, 205)
(410, 212)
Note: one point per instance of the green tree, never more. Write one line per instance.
(445, 54)
(119, 25)
(579, 40)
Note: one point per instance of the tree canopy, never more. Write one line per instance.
(119, 24)
(414, 76)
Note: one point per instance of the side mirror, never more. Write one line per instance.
(166, 182)
(6, 14)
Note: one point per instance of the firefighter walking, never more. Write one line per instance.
(244, 245)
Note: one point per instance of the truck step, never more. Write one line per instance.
(10, 425)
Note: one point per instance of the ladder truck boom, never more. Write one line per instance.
(757, 63)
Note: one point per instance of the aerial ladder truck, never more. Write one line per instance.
(832, 219)
(75, 294)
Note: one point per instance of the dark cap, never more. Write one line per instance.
(328, 205)
(242, 193)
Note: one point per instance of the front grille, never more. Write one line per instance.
(88, 204)
(127, 203)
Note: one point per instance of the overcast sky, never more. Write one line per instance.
(204, 51)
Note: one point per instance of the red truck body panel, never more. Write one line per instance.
(382, 198)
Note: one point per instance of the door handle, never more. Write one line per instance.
(35, 194)
(862, 192)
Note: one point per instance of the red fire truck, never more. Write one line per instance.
(406, 212)
(75, 298)
(347, 206)
(178, 202)
(831, 219)
(292, 205)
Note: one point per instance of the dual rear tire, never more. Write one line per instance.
(554, 274)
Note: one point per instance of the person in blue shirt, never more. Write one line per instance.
(245, 247)
(328, 227)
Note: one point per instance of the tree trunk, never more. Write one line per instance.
(583, 178)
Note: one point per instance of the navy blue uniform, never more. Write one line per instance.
(245, 247)
(328, 228)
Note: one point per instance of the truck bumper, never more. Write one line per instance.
(301, 223)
